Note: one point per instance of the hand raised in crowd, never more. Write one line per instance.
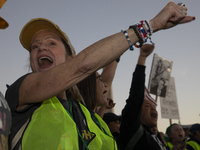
(110, 103)
(145, 51)
(55, 78)
(171, 15)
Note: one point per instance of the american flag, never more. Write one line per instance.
(148, 97)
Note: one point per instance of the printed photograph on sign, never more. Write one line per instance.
(159, 76)
(169, 104)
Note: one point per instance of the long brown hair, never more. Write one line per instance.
(87, 88)
(73, 91)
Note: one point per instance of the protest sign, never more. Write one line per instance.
(159, 76)
(169, 104)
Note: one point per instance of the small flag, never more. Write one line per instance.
(148, 97)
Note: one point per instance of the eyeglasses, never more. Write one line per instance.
(100, 78)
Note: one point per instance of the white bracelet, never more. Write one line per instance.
(150, 27)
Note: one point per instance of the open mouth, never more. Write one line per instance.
(180, 135)
(154, 115)
(45, 61)
(104, 91)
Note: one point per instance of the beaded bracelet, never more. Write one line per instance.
(135, 29)
(144, 22)
(150, 27)
(146, 33)
(129, 41)
(142, 32)
(150, 31)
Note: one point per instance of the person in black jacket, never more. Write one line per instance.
(194, 141)
(139, 113)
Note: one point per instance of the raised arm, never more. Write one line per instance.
(145, 51)
(135, 100)
(109, 73)
(108, 76)
(37, 87)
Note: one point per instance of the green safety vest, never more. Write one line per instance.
(194, 144)
(51, 128)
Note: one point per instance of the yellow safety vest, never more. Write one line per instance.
(194, 144)
(51, 128)
(170, 145)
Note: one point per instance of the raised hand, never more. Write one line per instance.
(110, 103)
(146, 50)
(171, 15)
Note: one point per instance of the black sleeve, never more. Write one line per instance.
(132, 110)
(12, 96)
(12, 93)
(160, 138)
(19, 117)
(188, 147)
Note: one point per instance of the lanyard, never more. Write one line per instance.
(98, 123)
(69, 113)
(102, 129)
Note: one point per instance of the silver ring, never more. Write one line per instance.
(181, 4)
(181, 11)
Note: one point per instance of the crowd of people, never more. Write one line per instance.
(61, 104)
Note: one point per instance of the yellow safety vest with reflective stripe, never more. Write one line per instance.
(51, 128)
(194, 144)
